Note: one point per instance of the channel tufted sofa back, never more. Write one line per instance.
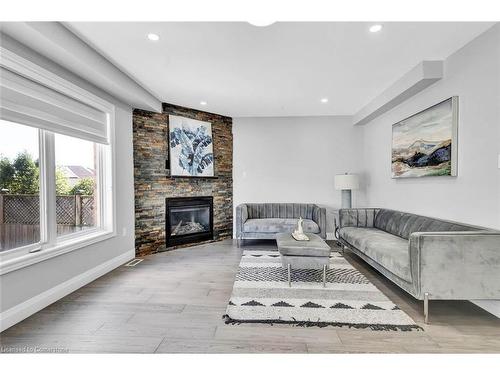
(280, 210)
(403, 224)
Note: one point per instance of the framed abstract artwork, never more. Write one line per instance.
(425, 144)
(190, 147)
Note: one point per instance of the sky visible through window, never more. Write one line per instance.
(15, 138)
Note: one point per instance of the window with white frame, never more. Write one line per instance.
(19, 186)
(56, 177)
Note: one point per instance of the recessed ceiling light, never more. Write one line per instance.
(375, 28)
(203, 102)
(324, 100)
(261, 22)
(153, 37)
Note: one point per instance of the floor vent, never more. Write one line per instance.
(134, 262)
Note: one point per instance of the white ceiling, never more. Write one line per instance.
(280, 70)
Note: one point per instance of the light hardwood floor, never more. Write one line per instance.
(173, 302)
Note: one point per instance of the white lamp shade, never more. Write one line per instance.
(346, 182)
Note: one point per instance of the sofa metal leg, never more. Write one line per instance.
(426, 308)
(289, 269)
(342, 249)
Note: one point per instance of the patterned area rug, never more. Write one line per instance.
(261, 295)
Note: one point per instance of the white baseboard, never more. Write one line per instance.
(27, 308)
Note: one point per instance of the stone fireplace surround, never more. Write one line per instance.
(152, 181)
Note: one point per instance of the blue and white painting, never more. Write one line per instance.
(425, 143)
(191, 147)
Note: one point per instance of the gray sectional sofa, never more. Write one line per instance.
(429, 258)
(265, 220)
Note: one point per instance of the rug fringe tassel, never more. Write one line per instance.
(373, 327)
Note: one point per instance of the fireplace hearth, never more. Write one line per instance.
(188, 220)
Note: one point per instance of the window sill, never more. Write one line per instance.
(61, 248)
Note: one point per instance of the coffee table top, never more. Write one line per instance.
(316, 246)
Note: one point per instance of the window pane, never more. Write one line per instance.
(19, 186)
(76, 189)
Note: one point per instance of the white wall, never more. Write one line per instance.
(293, 159)
(472, 73)
(30, 288)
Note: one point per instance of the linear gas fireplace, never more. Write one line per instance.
(188, 220)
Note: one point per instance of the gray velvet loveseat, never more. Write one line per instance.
(429, 258)
(265, 220)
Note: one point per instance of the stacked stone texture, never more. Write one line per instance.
(153, 182)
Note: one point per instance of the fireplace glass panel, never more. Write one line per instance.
(189, 220)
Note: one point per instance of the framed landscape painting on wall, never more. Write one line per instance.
(425, 144)
(190, 147)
